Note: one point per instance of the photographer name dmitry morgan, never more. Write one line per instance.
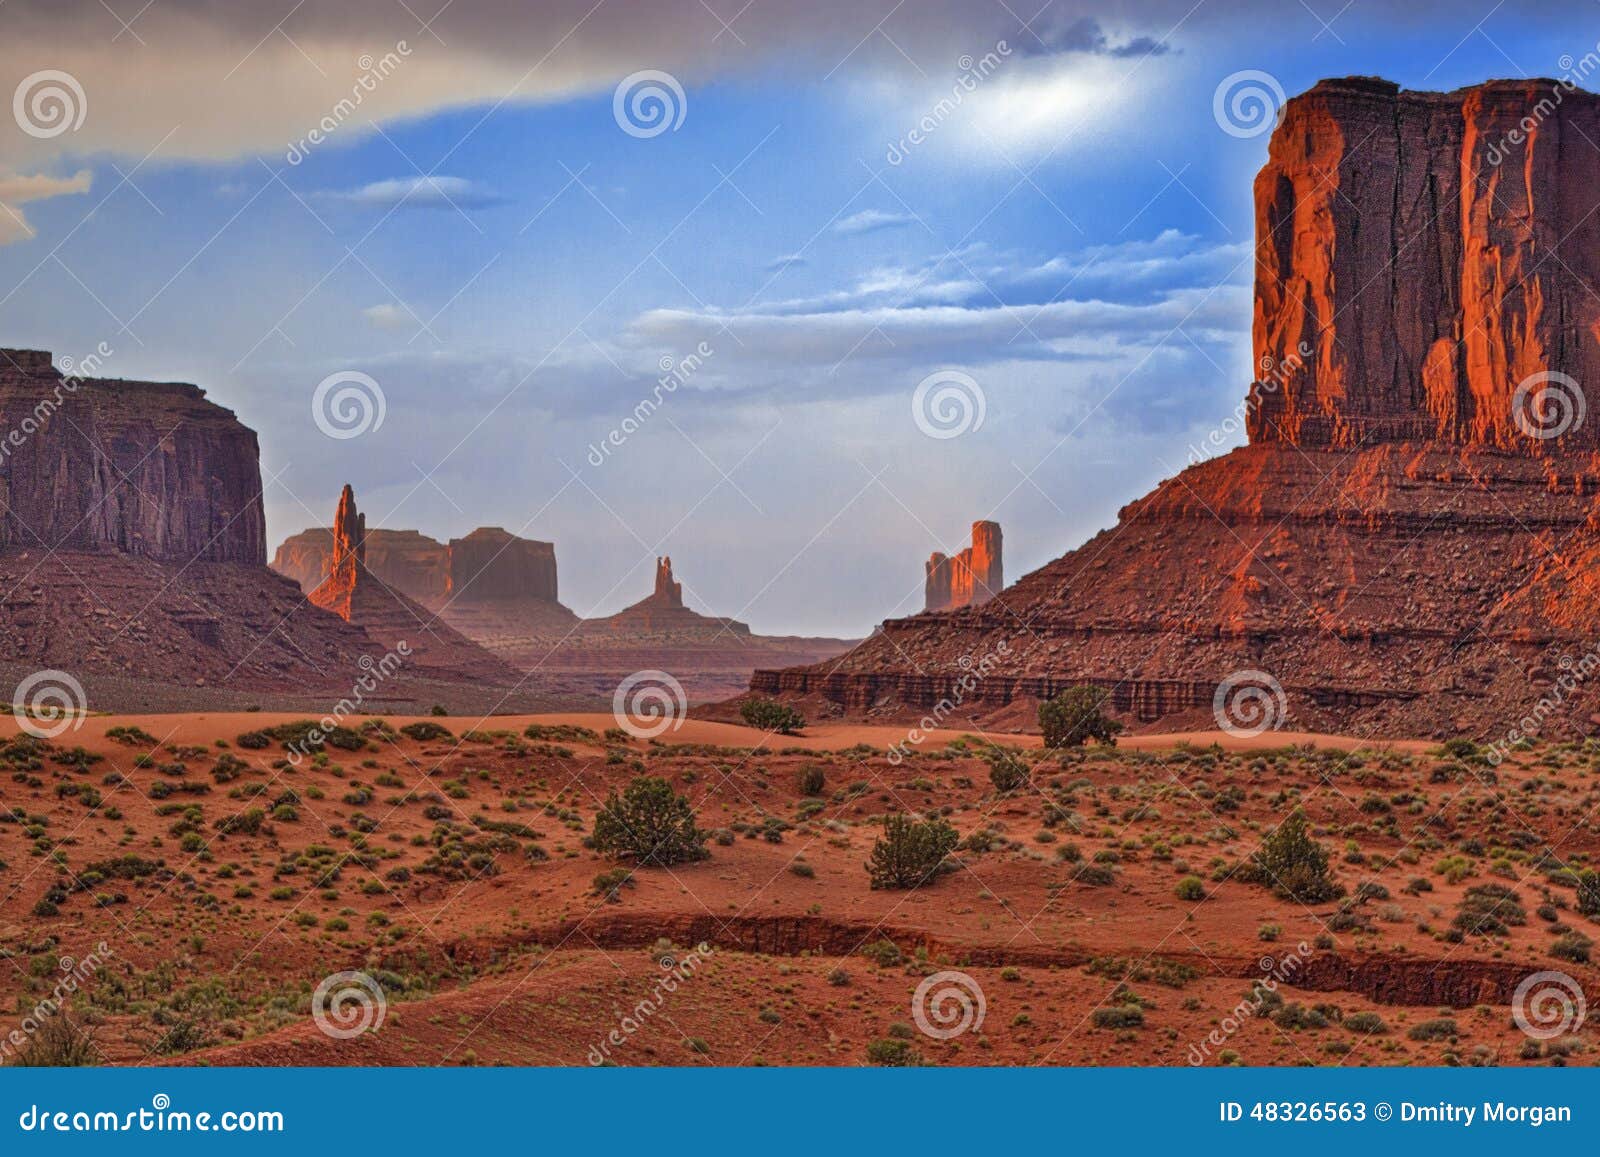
(1490, 1113)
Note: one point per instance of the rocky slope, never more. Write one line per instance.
(1395, 549)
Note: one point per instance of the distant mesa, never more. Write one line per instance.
(970, 579)
(662, 612)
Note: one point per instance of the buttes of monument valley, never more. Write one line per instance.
(865, 534)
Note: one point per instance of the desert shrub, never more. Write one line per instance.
(770, 715)
(59, 1042)
(609, 884)
(1122, 1016)
(423, 731)
(891, 1053)
(1365, 1022)
(1293, 864)
(1489, 910)
(1007, 771)
(247, 822)
(811, 779)
(1440, 1028)
(1076, 716)
(649, 823)
(910, 852)
(1588, 899)
(1095, 875)
(1191, 888)
(253, 740)
(1573, 946)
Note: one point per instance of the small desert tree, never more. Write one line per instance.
(910, 852)
(770, 715)
(1293, 864)
(650, 824)
(58, 1042)
(1007, 770)
(1076, 716)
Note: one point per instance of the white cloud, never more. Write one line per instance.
(869, 221)
(388, 315)
(420, 193)
(17, 190)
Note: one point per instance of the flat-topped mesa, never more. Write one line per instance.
(974, 576)
(1419, 257)
(144, 468)
(493, 565)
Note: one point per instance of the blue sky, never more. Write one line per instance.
(486, 243)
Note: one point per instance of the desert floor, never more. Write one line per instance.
(226, 882)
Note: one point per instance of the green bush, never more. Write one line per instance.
(910, 852)
(1076, 716)
(1440, 1028)
(770, 715)
(1293, 864)
(811, 779)
(650, 824)
(423, 731)
(891, 1053)
(1007, 771)
(1122, 1016)
(1365, 1022)
(1191, 888)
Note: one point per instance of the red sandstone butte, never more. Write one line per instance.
(1394, 547)
(973, 577)
(358, 596)
(1427, 261)
(149, 469)
(664, 613)
(491, 564)
(404, 560)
